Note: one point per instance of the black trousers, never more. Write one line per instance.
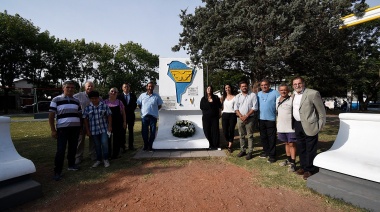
(306, 147)
(228, 124)
(211, 130)
(268, 138)
(130, 125)
(66, 136)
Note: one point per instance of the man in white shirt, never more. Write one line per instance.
(245, 107)
(309, 116)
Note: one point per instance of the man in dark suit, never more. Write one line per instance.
(129, 100)
(309, 117)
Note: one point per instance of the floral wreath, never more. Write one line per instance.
(183, 129)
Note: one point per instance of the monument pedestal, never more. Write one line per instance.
(357, 191)
(165, 139)
(181, 89)
(350, 170)
(16, 186)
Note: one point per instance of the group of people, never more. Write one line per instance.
(105, 122)
(294, 118)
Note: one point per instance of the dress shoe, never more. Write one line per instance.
(249, 156)
(241, 154)
(306, 175)
(300, 171)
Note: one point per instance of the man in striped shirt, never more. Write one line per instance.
(67, 112)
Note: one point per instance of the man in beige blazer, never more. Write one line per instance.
(309, 116)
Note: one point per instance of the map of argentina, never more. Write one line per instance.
(182, 75)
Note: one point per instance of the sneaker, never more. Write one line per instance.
(73, 168)
(96, 164)
(57, 177)
(219, 149)
(249, 156)
(106, 163)
(241, 154)
(263, 155)
(292, 167)
(271, 160)
(284, 163)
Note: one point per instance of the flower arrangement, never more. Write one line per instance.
(183, 129)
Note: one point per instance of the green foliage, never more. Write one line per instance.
(17, 38)
(135, 65)
(364, 64)
(270, 39)
(46, 61)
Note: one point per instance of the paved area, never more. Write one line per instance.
(183, 153)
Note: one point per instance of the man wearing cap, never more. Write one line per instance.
(129, 100)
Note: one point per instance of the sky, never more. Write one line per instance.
(155, 24)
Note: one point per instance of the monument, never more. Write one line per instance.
(16, 186)
(181, 89)
(350, 169)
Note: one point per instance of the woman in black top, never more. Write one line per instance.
(211, 108)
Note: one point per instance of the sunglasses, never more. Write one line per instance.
(113, 92)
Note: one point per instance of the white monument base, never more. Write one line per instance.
(350, 170)
(16, 187)
(165, 139)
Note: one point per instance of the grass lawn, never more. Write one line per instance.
(32, 141)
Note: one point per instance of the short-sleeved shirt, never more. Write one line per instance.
(149, 104)
(284, 115)
(244, 103)
(267, 104)
(97, 117)
(67, 111)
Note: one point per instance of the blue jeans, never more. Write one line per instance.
(101, 145)
(66, 136)
(148, 131)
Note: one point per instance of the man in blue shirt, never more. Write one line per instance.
(267, 107)
(149, 103)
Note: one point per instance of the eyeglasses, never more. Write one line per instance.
(113, 92)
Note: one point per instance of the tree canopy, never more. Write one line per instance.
(271, 39)
(46, 61)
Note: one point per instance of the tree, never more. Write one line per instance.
(40, 59)
(268, 38)
(364, 65)
(17, 39)
(62, 65)
(135, 65)
(105, 64)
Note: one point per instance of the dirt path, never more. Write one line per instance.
(198, 185)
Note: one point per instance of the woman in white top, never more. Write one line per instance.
(228, 115)
(285, 130)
